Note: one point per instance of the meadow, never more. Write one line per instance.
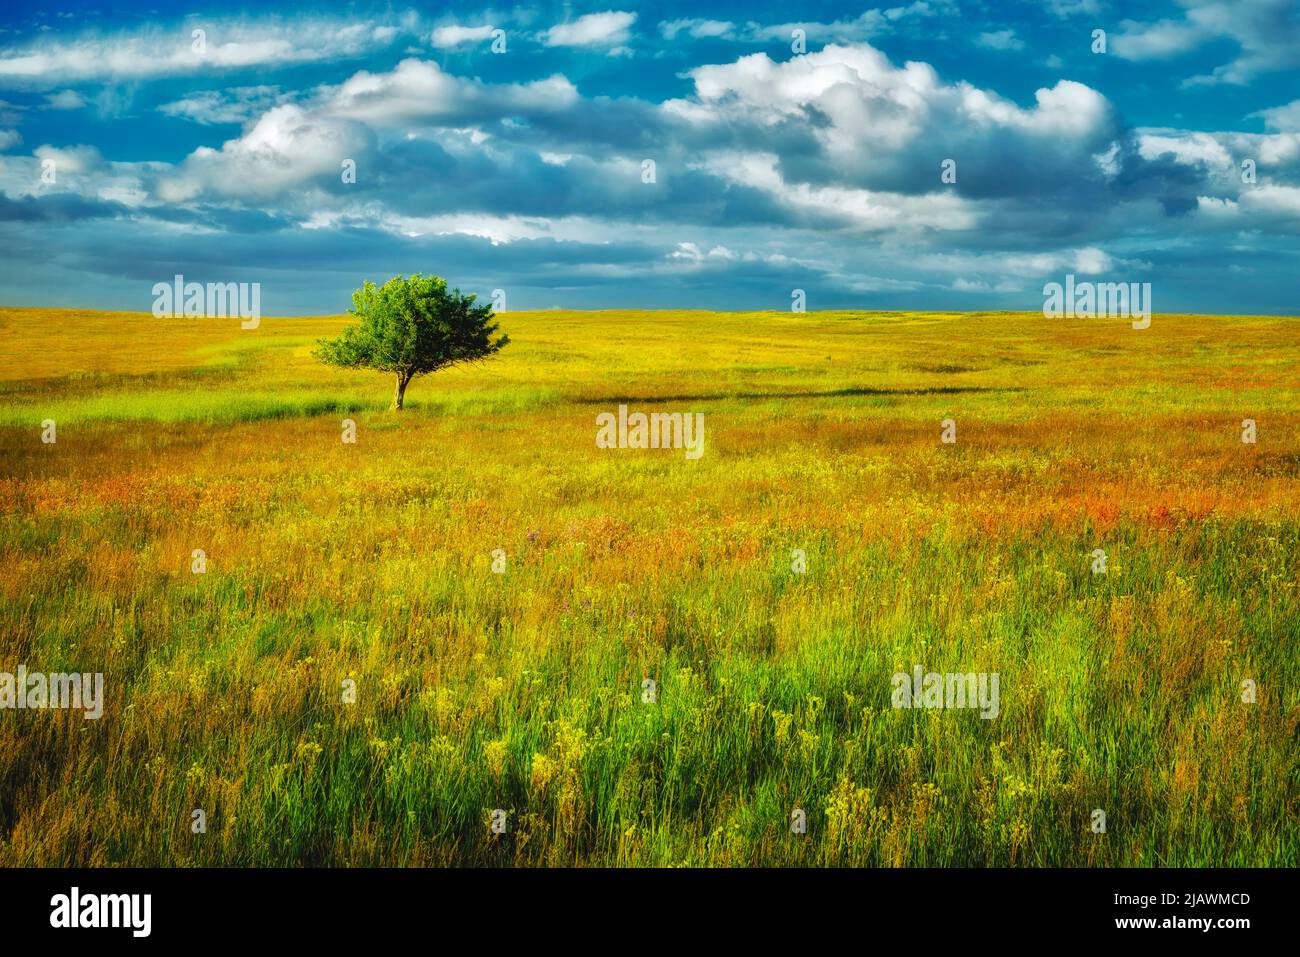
(523, 691)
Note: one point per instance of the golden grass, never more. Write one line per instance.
(522, 691)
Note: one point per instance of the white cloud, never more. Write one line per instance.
(864, 210)
(445, 38)
(1160, 40)
(421, 90)
(81, 170)
(691, 252)
(1262, 206)
(157, 51)
(1084, 261)
(868, 106)
(1000, 40)
(1186, 148)
(496, 229)
(861, 132)
(1285, 118)
(962, 284)
(696, 28)
(293, 143)
(771, 167)
(65, 100)
(284, 147)
(1266, 34)
(1284, 200)
(1069, 8)
(71, 159)
(611, 28)
(235, 105)
(863, 27)
(1220, 154)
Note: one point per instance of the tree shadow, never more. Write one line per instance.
(829, 394)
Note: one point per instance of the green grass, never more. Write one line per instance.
(523, 691)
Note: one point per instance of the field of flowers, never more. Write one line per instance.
(368, 567)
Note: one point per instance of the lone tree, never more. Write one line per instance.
(411, 327)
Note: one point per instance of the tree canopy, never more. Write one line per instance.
(413, 326)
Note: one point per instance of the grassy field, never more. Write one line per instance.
(522, 691)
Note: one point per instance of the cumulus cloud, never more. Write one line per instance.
(611, 28)
(1218, 156)
(817, 171)
(853, 119)
(1266, 34)
(65, 100)
(1285, 118)
(448, 37)
(286, 146)
(295, 143)
(839, 141)
(863, 210)
(421, 90)
(1159, 40)
(71, 159)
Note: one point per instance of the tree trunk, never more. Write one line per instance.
(399, 393)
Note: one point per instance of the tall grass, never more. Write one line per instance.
(523, 691)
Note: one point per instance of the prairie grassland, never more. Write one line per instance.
(523, 691)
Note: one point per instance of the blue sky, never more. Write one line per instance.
(775, 167)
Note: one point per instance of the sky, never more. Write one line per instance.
(937, 155)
